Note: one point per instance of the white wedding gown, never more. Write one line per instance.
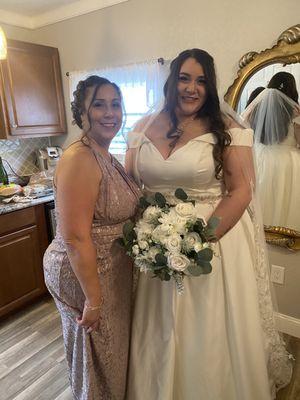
(217, 341)
(278, 171)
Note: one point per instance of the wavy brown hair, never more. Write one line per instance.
(211, 108)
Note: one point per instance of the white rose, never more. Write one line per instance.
(178, 262)
(173, 243)
(135, 249)
(151, 213)
(186, 210)
(143, 245)
(191, 239)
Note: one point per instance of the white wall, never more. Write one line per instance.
(138, 30)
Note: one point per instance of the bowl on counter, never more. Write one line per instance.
(20, 180)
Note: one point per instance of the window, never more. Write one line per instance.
(142, 87)
(135, 101)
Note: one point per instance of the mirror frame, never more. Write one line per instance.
(285, 51)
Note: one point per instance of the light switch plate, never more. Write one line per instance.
(277, 274)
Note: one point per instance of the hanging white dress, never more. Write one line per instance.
(217, 341)
(278, 176)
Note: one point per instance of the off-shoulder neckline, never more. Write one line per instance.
(207, 137)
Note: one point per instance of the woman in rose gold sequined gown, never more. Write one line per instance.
(87, 272)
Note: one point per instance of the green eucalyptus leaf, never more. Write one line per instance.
(195, 269)
(160, 199)
(180, 194)
(143, 202)
(198, 226)
(206, 267)
(166, 277)
(160, 259)
(151, 200)
(162, 274)
(157, 267)
(128, 248)
(204, 255)
(128, 229)
(128, 232)
(202, 268)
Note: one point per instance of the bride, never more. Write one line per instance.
(217, 341)
(273, 115)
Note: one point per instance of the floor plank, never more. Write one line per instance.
(32, 361)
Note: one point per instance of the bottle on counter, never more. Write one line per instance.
(3, 174)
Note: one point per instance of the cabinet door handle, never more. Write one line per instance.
(13, 126)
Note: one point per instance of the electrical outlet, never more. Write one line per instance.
(277, 274)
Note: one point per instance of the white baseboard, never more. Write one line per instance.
(287, 324)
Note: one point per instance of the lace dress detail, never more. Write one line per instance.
(279, 365)
(98, 361)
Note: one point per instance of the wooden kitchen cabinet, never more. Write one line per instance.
(31, 94)
(23, 241)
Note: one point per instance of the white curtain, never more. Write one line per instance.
(152, 74)
(142, 88)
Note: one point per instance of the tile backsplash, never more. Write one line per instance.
(21, 154)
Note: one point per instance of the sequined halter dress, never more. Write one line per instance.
(98, 361)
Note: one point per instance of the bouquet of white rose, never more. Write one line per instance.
(170, 240)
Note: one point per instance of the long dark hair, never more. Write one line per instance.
(285, 82)
(211, 108)
(254, 94)
(78, 106)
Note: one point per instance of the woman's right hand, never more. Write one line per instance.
(89, 319)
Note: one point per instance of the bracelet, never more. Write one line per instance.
(92, 308)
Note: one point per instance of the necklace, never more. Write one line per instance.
(176, 135)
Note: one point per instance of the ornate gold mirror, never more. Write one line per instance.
(256, 69)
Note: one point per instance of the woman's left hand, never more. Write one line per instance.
(89, 319)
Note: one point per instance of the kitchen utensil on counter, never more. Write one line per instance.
(13, 177)
(48, 157)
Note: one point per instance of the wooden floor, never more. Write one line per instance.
(32, 365)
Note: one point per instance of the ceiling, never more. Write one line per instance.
(34, 14)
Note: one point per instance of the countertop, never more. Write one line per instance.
(10, 207)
